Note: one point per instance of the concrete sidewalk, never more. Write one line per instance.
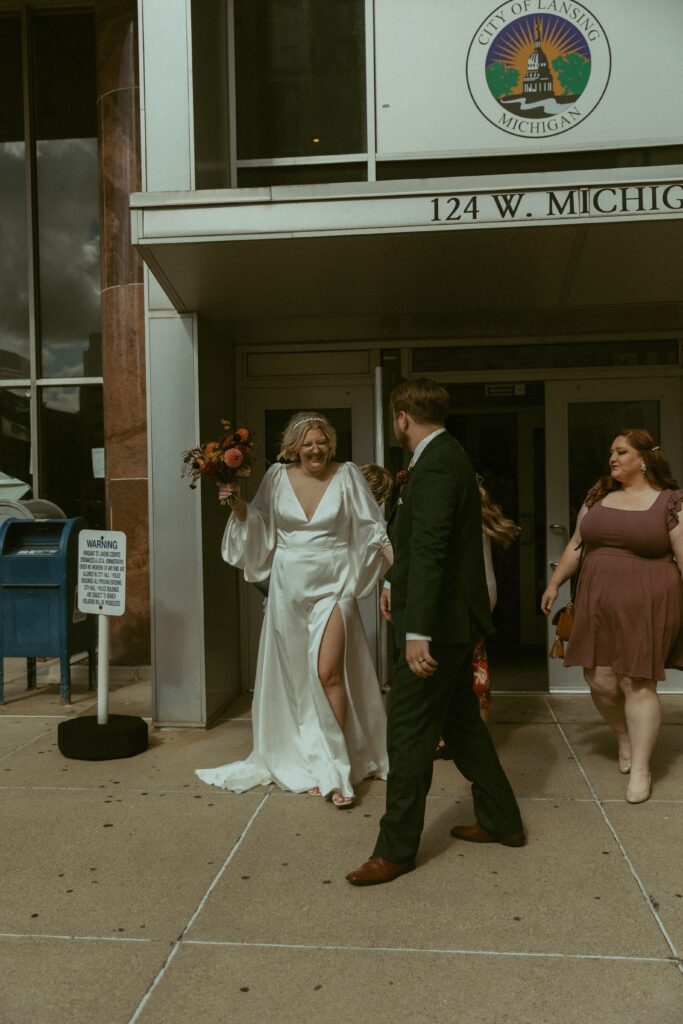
(134, 893)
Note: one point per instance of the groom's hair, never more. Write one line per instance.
(422, 399)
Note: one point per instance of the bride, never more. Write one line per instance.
(316, 530)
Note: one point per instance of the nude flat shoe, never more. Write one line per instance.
(638, 791)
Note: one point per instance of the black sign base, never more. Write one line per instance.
(84, 740)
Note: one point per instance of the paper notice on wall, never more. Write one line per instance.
(97, 463)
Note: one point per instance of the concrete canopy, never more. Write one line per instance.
(335, 254)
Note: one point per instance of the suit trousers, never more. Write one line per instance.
(420, 712)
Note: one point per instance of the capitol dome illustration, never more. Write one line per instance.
(538, 81)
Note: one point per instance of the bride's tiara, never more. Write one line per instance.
(308, 419)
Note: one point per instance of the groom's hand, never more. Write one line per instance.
(420, 661)
(385, 603)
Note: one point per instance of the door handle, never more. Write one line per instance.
(561, 528)
(554, 565)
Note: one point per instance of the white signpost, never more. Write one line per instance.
(102, 592)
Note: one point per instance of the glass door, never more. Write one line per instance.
(582, 419)
(351, 412)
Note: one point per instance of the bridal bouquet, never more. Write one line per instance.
(223, 461)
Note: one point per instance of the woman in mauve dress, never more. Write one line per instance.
(629, 601)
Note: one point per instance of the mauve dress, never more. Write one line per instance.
(629, 600)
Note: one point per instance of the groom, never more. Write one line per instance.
(437, 599)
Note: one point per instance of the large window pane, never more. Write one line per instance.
(14, 324)
(300, 174)
(67, 184)
(300, 77)
(72, 436)
(15, 436)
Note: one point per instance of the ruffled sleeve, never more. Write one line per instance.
(250, 545)
(673, 507)
(368, 530)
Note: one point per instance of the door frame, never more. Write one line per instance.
(254, 401)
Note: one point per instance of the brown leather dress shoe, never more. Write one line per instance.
(478, 834)
(377, 870)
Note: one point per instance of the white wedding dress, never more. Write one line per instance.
(332, 559)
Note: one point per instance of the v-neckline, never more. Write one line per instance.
(322, 496)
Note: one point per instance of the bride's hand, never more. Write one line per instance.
(230, 493)
(225, 490)
(385, 603)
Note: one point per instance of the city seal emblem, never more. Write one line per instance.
(537, 68)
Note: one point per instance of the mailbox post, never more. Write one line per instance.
(39, 615)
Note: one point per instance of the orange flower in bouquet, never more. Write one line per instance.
(223, 461)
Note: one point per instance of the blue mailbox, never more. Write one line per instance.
(39, 614)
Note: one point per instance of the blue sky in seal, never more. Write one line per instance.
(512, 34)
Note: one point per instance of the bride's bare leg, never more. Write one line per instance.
(331, 665)
(608, 698)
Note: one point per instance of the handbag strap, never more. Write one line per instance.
(575, 578)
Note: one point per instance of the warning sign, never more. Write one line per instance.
(102, 572)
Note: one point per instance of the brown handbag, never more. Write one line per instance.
(563, 621)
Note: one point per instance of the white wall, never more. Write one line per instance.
(426, 89)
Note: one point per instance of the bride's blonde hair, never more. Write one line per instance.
(294, 433)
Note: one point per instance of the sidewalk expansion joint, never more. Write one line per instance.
(27, 743)
(624, 854)
(313, 947)
(200, 906)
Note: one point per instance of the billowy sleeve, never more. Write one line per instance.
(368, 531)
(250, 545)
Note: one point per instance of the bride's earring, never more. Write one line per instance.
(643, 468)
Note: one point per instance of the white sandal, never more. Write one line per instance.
(341, 801)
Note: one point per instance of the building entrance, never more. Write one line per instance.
(501, 427)
(351, 411)
(538, 444)
(582, 418)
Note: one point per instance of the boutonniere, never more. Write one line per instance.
(400, 480)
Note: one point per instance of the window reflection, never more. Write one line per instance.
(14, 323)
(300, 77)
(67, 187)
(15, 434)
(72, 433)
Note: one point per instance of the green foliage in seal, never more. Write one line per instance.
(500, 79)
(573, 72)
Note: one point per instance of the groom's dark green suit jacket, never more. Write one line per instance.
(438, 580)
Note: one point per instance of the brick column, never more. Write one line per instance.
(123, 324)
